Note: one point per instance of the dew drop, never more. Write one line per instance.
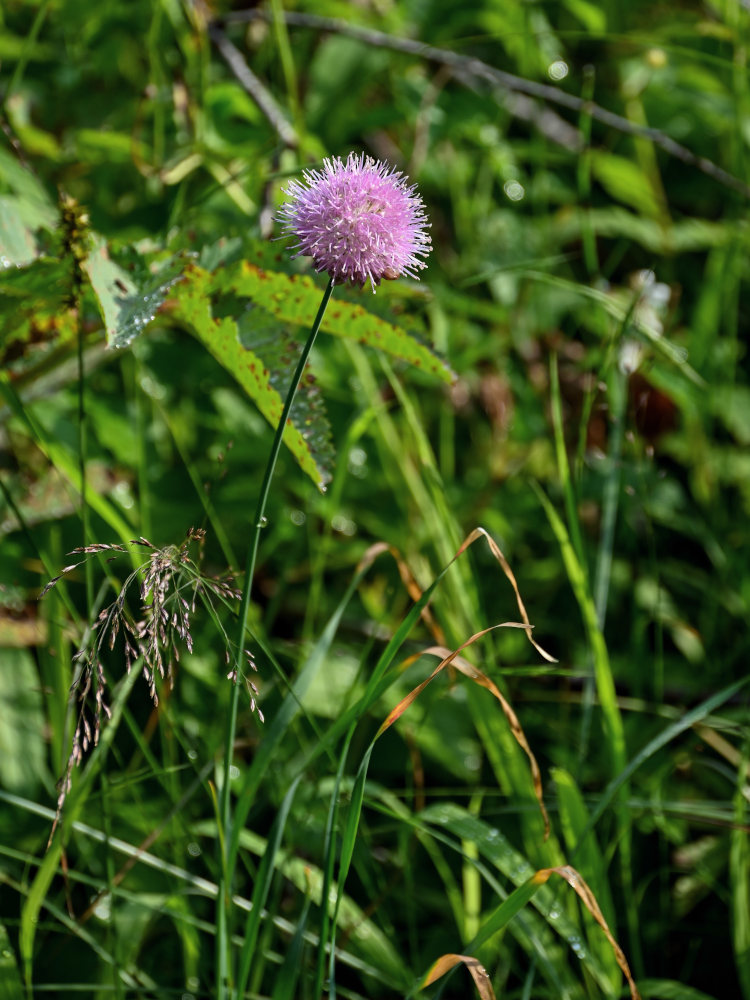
(558, 70)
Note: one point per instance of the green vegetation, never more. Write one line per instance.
(570, 377)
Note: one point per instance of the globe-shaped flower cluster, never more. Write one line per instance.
(360, 221)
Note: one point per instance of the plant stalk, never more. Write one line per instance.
(223, 935)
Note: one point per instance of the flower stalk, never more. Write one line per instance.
(223, 930)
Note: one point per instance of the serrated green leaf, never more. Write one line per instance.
(192, 305)
(295, 299)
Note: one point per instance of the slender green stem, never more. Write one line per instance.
(85, 520)
(225, 807)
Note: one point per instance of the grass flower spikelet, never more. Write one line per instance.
(360, 221)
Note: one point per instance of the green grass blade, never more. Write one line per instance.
(665, 737)
(605, 684)
(266, 871)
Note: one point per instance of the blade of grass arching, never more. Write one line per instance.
(504, 913)
(459, 663)
(385, 661)
(511, 906)
(574, 818)
(349, 835)
(377, 683)
(739, 879)
(266, 871)
(511, 770)
(661, 345)
(73, 804)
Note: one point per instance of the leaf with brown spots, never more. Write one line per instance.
(295, 299)
(228, 340)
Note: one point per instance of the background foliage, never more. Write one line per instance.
(583, 166)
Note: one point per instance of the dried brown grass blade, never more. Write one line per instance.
(470, 671)
(495, 550)
(478, 973)
(579, 886)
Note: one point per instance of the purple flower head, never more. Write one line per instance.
(358, 220)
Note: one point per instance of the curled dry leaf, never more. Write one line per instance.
(470, 671)
(477, 971)
(495, 550)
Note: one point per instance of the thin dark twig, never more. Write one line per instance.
(262, 97)
(470, 66)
